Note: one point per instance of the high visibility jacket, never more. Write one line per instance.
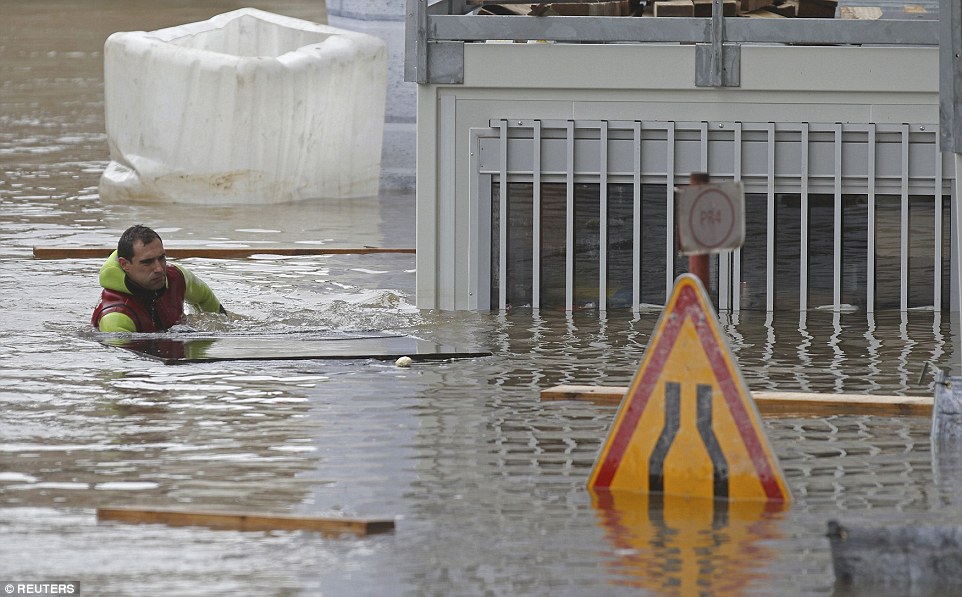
(125, 307)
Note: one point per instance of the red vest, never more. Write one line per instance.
(151, 313)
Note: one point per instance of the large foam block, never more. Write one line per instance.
(248, 107)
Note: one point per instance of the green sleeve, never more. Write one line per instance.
(116, 322)
(198, 293)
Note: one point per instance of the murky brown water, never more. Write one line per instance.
(486, 482)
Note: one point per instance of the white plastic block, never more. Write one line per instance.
(248, 107)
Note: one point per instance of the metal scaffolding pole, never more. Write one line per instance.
(950, 122)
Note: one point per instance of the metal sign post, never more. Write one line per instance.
(950, 75)
(950, 116)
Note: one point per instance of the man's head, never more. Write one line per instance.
(141, 255)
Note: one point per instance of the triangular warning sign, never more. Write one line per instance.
(688, 425)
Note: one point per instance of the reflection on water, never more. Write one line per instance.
(687, 546)
(817, 351)
(487, 481)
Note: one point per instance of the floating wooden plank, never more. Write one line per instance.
(789, 403)
(242, 521)
(774, 403)
(214, 252)
(599, 394)
(175, 349)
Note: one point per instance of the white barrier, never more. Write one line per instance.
(248, 107)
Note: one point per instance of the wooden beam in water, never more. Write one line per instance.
(215, 252)
(240, 521)
(774, 403)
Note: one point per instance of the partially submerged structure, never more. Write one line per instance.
(247, 107)
(549, 149)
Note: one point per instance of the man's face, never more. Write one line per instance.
(148, 267)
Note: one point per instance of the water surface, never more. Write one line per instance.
(485, 481)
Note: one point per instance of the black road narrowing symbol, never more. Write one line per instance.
(656, 462)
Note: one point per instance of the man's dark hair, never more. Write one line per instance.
(125, 246)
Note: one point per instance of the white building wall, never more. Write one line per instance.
(846, 84)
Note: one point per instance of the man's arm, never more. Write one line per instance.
(116, 322)
(198, 293)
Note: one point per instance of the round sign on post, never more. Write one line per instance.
(710, 218)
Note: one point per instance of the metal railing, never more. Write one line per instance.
(885, 177)
(436, 30)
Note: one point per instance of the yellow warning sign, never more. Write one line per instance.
(687, 425)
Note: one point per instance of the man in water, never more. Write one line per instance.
(142, 292)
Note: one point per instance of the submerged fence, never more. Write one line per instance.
(570, 214)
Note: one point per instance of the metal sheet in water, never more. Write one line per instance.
(192, 349)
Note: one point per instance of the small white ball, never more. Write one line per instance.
(403, 362)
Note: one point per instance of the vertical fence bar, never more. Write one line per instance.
(870, 266)
(937, 256)
(570, 218)
(536, 217)
(724, 280)
(447, 206)
(476, 242)
(703, 148)
(503, 219)
(484, 250)
(955, 262)
(803, 234)
(904, 252)
(770, 252)
(837, 240)
(670, 232)
(603, 216)
(706, 168)
(736, 281)
(636, 222)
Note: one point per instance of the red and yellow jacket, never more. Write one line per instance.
(125, 307)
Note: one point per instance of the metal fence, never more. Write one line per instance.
(573, 214)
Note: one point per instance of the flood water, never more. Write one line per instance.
(486, 483)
